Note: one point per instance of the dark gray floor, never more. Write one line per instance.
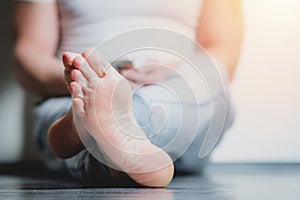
(219, 182)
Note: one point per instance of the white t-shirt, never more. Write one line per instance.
(85, 24)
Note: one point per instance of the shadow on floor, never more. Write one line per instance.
(258, 181)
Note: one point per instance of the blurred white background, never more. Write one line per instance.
(266, 89)
(267, 86)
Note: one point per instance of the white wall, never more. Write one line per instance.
(267, 86)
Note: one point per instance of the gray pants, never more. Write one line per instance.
(156, 110)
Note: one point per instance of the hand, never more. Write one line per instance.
(147, 74)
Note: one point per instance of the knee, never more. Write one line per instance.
(160, 121)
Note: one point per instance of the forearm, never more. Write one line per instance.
(38, 71)
(220, 31)
(35, 28)
(227, 56)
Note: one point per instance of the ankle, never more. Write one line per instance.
(63, 139)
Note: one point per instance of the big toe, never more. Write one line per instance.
(96, 61)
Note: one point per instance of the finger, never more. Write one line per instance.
(122, 65)
(137, 76)
(134, 85)
(149, 66)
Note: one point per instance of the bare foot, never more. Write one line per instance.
(102, 103)
(62, 134)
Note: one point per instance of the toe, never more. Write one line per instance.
(80, 64)
(87, 52)
(67, 59)
(76, 90)
(77, 98)
(96, 61)
(78, 77)
(78, 106)
(67, 75)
